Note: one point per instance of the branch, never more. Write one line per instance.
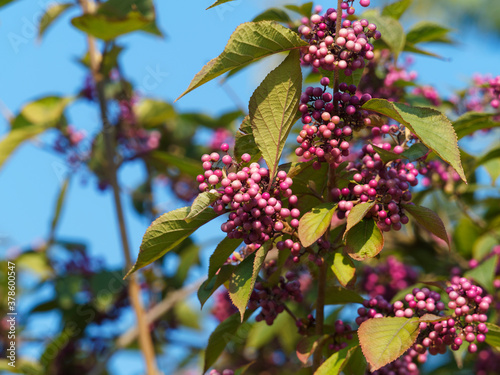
(145, 339)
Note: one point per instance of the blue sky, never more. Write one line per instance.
(30, 180)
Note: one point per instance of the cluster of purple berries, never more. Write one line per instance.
(224, 372)
(404, 365)
(223, 307)
(436, 173)
(256, 201)
(429, 93)
(488, 362)
(388, 185)
(343, 333)
(272, 298)
(388, 278)
(329, 121)
(347, 50)
(376, 307)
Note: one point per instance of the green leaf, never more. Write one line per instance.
(493, 336)
(493, 169)
(364, 240)
(273, 14)
(385, 339)
(5, 2)
(343, 268)
(336, 295)
(315, 223)
(152, 113)
(201, 203)
(210, 285)
(107, 27)
(392, 32)
(57, 213)
(245, 142)
(414, 49)
(429, 220)
(396, 9)
(357, 214)
(484, 274)
(304, 10)
(34, 119)
(415, 152)
(221, 336)
(386, 156)
(307, 346)
(426, 31)
(336, 362)
(273, 109)
(356, 363)
(184, 164)
(221, 253)
(218, 2)
(430, 126)
(490, 155)
(483, 245)
(261, 334)
(166, 232)
(471, 122)
(250, 42)
(51, 14)
(243, 279)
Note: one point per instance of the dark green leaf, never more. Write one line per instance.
(5, 2)
(414, 49)
(336, 295)
(245, 142)
(273, 109)
(315, 223)
(221, 253)
(356, 364)
(210, 285)
(426, 32)
(364, 240)
(385, 339)
(243, 279)
(396, 9)
(221, 336)
(218, 2)
(429, 220)
(51, 14)
(60, 201)
(273, 14)
(430, 126)
(415, 152)
(385, 155)
(471, 122)
(250, 42)
(166, 232)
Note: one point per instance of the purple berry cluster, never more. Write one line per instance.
(376, 307)
(388, 278)
(343, 333)
(404, 365)
(347, 50)
(223, 307)
(429, 93)
(487, 363)
(260, 206)
(438, 174)
(224, 372)
(272, 298)
(386, 184)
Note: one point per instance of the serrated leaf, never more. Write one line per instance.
(336, 362)
(250, 42)
(356, 363)
(415, 152)
(385, 339)
(221, 336)
(201, 203)
(166, 232)
(364, 240)
(484, 274)
(315, 223)
(343, 268)
(357, 214)
(471, 122)
(51, 14)
(273, 14)
(243, 279)
(245, 142)
(34, 119)
(273, 109)
(426, 31)
(396, 9)
(392, 32)
(218, 2)
(493, 336)
(430, 126)
(152, 113)
(429, 220)
(336, 295)
(221, 253)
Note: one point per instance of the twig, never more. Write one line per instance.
(145, 339)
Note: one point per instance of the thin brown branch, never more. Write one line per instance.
(145, 339)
